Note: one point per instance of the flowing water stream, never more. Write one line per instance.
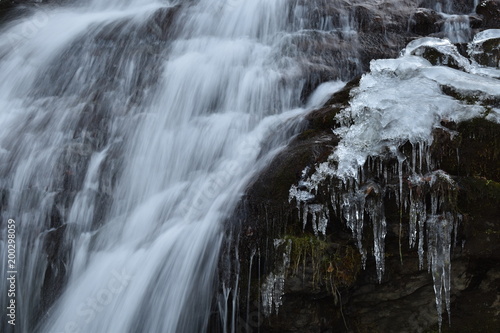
(129, 129)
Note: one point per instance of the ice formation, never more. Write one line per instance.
(274, 285)
(400, 102)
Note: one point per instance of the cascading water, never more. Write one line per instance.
(129, 129)
(457, 28)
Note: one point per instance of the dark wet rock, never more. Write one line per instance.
(340, 38)
(490, 53)
(368, 20)
(426, 21)
(489, 10)
(436, 57)
(479, 144)
(462, 6)
(455, 6)
(326, 56)
(404, 301)
(380, 46)
(463, 49)
(5, 6)
(475, 21)
(12, 9)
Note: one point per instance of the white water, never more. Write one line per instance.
(128, 146)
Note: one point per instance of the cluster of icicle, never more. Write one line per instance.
(361, 199)
(400, 101)
(274, 286)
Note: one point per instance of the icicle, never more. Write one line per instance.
(304, 216)
(428, 158)
(413, 221)
(323, 221)
(314, 219)
(400, 176)
(274, 285)
(421, 237)
(375, 210)
(439, 229)
(434, 203)
(383, 170)
(420, 156)
(457, 221)
(334, 201)
(414, 148)
(353, 213)
(252, 255)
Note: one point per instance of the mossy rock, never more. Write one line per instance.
(332, 264)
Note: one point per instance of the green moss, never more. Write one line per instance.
(480, 197)
(332, 265)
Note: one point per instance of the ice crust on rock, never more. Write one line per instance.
(485, 35)
(400, 101)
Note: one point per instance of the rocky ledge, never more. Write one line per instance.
(383, 215)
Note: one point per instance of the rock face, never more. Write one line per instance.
(12, 9)
(305, 273)
(490, 11)
(339, 38)
(486, 48)
(426, 21)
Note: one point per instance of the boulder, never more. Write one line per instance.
(490, 53)
(426, 21)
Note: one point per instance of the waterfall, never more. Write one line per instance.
(130, 129)
(457, 28)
